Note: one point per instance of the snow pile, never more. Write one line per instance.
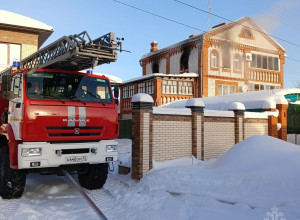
(247, 181)
(186, 161)
(244, 183)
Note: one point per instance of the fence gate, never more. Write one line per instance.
(125, 129)
(293, 124)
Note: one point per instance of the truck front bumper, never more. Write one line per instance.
(44, 154)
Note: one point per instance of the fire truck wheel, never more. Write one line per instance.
(96, 176)
(12, 182)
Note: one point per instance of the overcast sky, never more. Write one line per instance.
(281, 18)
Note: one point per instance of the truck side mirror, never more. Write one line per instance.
(116, 92)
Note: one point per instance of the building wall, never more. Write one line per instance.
(172, 137)
(175, 63)
(28, 42)
(219, 136)
(162, 66)
(255, 127)
(193, 60)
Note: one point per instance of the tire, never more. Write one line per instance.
(12, 182)
(96, 176)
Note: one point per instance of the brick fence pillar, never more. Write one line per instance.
(282, 119)
(197, 109)
(239, 112)
(272, 126)
(142, 105)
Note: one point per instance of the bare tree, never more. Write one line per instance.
(297, 84)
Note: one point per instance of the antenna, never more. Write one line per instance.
(209, 12)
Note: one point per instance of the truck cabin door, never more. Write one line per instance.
(15, 109)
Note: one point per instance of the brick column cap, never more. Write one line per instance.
(269, 104)
(195, 104)
(142, 97)
(236, 106)
(142, 101)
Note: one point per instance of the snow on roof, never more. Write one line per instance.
(11, 18)
(160, 74)
(14, 19)
(199, 36)
(252, 100)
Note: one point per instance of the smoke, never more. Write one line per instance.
(279, 14)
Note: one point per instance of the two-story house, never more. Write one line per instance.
(230, 58)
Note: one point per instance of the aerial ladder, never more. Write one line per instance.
(74, 52)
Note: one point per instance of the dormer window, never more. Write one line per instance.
(155, 68)
(246, 33)
(184, 61)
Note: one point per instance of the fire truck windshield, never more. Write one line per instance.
(65, 86)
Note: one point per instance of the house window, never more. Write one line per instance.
(184, 61)
(259, 87)
(146, 87)
(185, 88)
(214, 59)
(264, 62)
(9, 53)
(128, 91)
(149, 88)
(237, 62)
(226, 89)
(155, 68)
(141, 87)
(169, 87)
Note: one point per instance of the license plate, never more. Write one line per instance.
(76, 159)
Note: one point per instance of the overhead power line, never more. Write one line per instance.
(186, 25)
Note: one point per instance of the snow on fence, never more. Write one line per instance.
(168, 133)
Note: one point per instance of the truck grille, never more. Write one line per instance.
(73, 131)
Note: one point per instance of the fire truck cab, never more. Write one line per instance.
(52, 118)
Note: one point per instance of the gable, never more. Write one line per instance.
(248, 33)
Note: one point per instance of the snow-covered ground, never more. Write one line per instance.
(253, 177)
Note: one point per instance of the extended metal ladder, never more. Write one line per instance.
(75, 52)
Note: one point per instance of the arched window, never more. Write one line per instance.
(237, 62)
(184, 61)
(214, 59)
(246, 32)
(155, 68)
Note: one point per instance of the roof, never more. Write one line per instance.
(152, 75)
(252, 100)
(8, 18)
(211, 32)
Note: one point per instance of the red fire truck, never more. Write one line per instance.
(54, 116)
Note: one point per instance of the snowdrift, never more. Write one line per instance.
(251, 178)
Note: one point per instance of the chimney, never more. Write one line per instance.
(193, 35)
(153, 46)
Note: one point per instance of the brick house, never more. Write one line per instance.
(20, 36)
(230, 58)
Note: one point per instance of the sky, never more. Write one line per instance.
(280, 18)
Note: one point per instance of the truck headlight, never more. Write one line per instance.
(29, 152)
(111, 148)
